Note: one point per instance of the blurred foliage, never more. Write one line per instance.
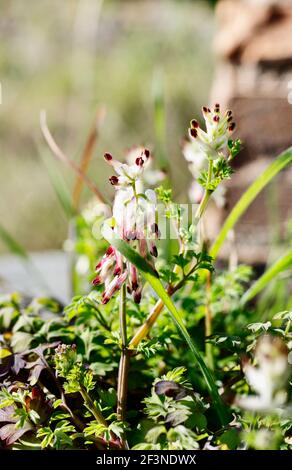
(72, 57)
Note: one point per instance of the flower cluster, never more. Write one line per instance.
(134, 220)
(204, 146)
(213, 141)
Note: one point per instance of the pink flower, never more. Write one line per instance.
(134, 214)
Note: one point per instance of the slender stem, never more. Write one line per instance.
(124, 364)
(92, 408)
(124, 361)
(208, 192)
(158, 307)
(208, 322)
(123, 319)
(287, 327)
(147, 325)
(123, 385)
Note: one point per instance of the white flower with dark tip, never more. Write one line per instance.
(219, 127)
(150, 175)
(198, 162)
(268, 378)
(127, 174)
(134, 220)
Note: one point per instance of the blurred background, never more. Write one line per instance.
(151, 65)
(72, 57)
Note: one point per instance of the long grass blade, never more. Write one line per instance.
(249, 196)
(12, 244)
(59, 184)
(282, 264)
(152, 277)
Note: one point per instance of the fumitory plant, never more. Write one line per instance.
(166, 350)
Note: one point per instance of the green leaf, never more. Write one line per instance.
(231, 438)
(279, 266)
(12, 244)
(286, 315)
(256, 327)
(249, 196)
(152, 277)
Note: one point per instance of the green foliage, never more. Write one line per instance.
(178, 422)
(221, 171)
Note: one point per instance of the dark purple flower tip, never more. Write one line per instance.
(108, 157)
(194, 133)
(155, 229)
(229, 119)
(229, 113)
(96, 281)
(117, 271)
(139, 161)
(134, 285)
(137, 296)
(147, 153)
(131, 235)
(104, 299)
(154, 251)
(232, 127)
(114, 180)
(110, 251)
(194, 123)
(216, 118)
(217, 109)
(205, 109)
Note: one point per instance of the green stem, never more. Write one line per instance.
(208, 192)
(208, 323)
(158, 307)
(92, 408)
(123, 319)
(287, 327)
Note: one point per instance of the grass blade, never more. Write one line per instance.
(279, 266)
(248, 197)
(12, 244)
(59, 185)
(152, 277)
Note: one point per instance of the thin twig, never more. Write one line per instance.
(61, 156)
(86, 156)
